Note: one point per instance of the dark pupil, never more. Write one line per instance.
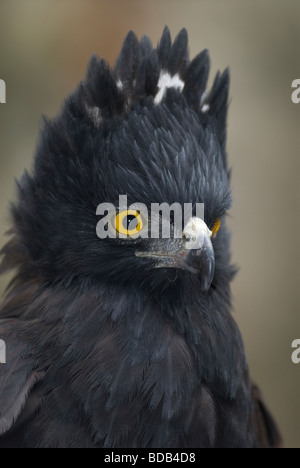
(130, 222)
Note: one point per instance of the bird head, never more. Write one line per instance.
(148, 132)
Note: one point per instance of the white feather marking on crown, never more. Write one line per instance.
(94, 114)
(203, 97)
(167, 81)
(203, 105)
(205, 108)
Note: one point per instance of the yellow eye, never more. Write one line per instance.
(128, 223)
(216, 227)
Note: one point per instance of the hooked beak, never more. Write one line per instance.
(193, 253)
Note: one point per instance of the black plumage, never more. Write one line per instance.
(107, 345)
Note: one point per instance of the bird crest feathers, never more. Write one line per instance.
(143, 72)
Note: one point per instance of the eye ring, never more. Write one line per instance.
(122, 221)
(216, 227)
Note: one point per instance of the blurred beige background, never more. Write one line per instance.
(44, 49)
